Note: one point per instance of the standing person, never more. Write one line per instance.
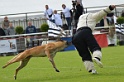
(48, 13)
(5, 23)
(78, 1)
(84, 40)
(30, 29)
(67, 14)
(122, 14)
(11, 29)
(57, 18)
(2, 33)
(5, 30)
(78, 11)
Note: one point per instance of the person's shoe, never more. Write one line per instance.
(93, 71)
(99, 63)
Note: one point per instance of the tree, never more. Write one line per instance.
(44, 27)
(19, 29)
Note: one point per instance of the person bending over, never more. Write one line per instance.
(84, 40)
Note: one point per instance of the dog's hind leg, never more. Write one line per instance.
(13, 60)
(23, 63)
(17, 58)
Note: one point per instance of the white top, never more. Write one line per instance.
(91, 19)
(57, 18)
(48, 12)
(66, 12)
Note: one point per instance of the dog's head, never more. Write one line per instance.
(66, 43)
(61, 44)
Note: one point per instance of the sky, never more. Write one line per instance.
(22, 6)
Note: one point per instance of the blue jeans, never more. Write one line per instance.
(68, 19)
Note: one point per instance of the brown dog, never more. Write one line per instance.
(48, 50)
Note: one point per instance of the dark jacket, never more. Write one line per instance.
(2, 33)
(78, 11)
(31, 29)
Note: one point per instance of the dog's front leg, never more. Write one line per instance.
(51, 60)
(54, 66)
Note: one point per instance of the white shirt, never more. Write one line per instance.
(66, 12)
(91, 19)
(48, 12)
(57, 18)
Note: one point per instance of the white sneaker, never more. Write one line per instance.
(94, 72)
(99, 63)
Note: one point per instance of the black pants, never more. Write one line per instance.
(85, 43)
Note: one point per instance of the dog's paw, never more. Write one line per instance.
(57, 70)
(15, 77)
(4, 67)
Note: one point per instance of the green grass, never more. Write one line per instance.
(71, 68)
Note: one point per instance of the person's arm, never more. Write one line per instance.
(99, 15)
(2, 33)
(26, 30)
(8, 31)
(3, 24)
(35, 29)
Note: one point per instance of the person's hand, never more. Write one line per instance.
(112, 6)
(44, 18)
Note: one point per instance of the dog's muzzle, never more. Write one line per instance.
(68, 43)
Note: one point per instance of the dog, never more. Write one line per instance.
(48, 50)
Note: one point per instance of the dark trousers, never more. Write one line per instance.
(85, 43)
(68, 19)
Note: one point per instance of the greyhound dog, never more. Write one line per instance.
(48, 50)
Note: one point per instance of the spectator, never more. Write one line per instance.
(5, 23)
(122, 14)
(64, 22)
(30, 29)
(57, 18)
(6, 30)
(11, 29)
(78, 12)
(80, 2)
(67, 14)
(48, 12)
(2, 33)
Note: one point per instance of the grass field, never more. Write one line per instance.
(71, 68)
